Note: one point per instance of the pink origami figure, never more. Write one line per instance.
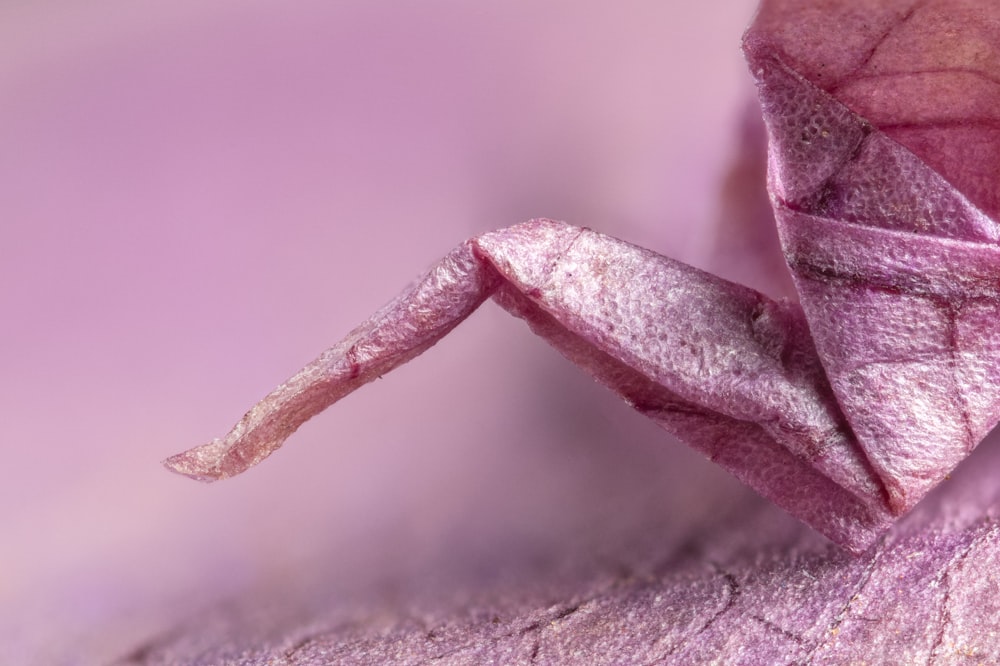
(844, 408)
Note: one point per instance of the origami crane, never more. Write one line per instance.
(846, 407)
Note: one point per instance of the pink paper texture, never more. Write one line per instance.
(196, 199)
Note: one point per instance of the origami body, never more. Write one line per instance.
(844, 408)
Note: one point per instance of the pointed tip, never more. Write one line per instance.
(201, 463)
(178, 465)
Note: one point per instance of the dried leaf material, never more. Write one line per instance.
(722, 366)
(875, 179)
(400, 331)
(844, 410)
(928, 598)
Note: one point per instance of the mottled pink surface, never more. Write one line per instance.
(197, 197)
(484, 504)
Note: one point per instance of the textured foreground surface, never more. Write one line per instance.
(752, 587)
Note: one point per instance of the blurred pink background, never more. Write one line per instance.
(196, 198)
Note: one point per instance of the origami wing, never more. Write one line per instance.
(884, 170)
